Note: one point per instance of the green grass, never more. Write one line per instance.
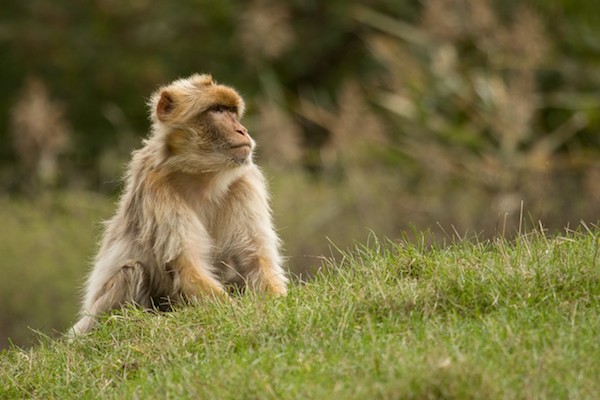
(474, 319)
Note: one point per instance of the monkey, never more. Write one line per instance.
(194, 215)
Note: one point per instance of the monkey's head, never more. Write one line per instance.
(198, 121)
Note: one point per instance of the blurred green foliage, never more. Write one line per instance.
(105, 54)
(103, 58)
(46, 246)
(376, 114)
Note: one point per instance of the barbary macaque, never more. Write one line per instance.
(194, 216)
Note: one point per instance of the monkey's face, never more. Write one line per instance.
(202, 121)
(225, 134)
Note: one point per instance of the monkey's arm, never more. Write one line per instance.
(194, 279)
(260, 261)
(184, 247)
(181, 246)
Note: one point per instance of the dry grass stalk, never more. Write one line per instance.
(265, 30)
(40, 133)
(279, 139)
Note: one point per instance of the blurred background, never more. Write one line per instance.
(463, 117)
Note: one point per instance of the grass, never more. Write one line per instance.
(473, 319)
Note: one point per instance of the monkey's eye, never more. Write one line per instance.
(219, 108)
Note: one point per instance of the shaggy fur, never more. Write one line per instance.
(194, 214)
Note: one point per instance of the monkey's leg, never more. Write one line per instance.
(128, 285)
(196, 281)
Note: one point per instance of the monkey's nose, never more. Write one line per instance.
(242, 132)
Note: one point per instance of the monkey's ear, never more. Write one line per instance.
(165, 106)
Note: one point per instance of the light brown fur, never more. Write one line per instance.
(194, 214)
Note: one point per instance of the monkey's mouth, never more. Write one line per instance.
(242, 146)
(241, 151)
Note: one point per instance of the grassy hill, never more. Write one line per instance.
(474, 319)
